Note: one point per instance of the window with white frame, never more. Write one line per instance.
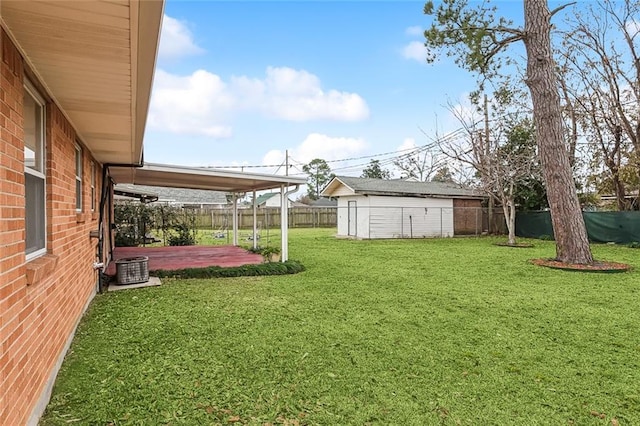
(34, 173)
(93, 185)
(78, 178)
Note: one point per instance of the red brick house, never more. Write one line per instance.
(75, 82)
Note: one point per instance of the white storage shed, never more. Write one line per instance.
(378, 208)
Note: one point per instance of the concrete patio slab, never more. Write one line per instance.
(153, 282)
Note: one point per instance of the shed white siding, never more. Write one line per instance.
(395, 217)
(275, 202)
(410, 217)
(358, 226)
(342, 216)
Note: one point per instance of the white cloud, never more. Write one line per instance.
(176, 40)
(415, 50)
(317, 145)
(194, 104)
(273, 157)
(407, 143)
(466, 110)
(297, 95)
(633, 27)
(202, 103)
(416, 30)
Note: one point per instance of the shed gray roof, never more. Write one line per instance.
(179, 195)
(400, 187)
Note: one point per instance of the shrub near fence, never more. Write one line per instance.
(602, 227)
(268, 217)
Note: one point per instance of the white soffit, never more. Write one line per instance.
(96, 59)
(200, 178)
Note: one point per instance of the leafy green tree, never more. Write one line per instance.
(319, 175)
(530, 193)
(375, 171)
(132, 220)
(477, 40)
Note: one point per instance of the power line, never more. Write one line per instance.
(328, 161)
(244, 166)
(373, 156)
(399, 154)
(414, 151)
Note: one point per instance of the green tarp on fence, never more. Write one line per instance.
(602, 227)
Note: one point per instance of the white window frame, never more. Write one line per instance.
(78, 187)
(41, 174)
(92, 171)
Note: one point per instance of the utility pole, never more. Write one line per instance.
(286, 163)
(487, 152)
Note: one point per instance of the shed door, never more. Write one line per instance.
(352, 219)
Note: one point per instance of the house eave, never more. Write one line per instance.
(95, 60)
(200, 178)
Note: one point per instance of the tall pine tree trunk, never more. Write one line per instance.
(572, 244)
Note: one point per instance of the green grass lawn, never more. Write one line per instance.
(407, 332)
(267, 237)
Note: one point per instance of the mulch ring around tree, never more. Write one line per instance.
(516, 245)
(596, 266)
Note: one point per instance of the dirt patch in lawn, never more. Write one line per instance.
(596, 266)
(516, 245)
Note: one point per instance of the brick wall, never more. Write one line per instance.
(41, 301)
(467, 217)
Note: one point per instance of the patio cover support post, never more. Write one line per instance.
(234, 220)
(255, 221)
(284, 224)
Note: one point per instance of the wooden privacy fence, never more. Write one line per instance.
(469, 220)
(417, 222)
(267, 217)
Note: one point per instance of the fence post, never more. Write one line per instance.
(266, 219)
(227, 214)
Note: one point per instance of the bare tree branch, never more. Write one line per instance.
(559, 8)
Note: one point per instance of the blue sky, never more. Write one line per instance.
(238, 83)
